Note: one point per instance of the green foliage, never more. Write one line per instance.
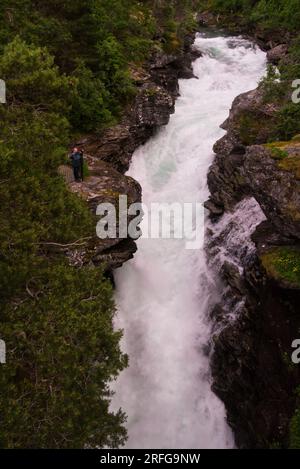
(274, 88)
(90, 104)
(278, 13)
(232, 6)
(283, 263)
(56, 321)
(93, 41)
(288, 121)
(62, 352)
(249, 125)
(113, 73)
(66, 67)
(32, 78)
(278, 153)
(269, 14)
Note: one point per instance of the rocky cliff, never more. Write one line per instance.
(109, 152)
(156, 91)
(258, 317)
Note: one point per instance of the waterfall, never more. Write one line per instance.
(165, 293)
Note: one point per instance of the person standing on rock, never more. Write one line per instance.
(76, 158)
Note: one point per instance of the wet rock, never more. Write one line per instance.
(231, 275)
(276, 54)
(250, 371)
(250, 122)
(153, 106)
(277, 191)
(214, 209)
(229, 144)
(166, 69)
(226, 182)
(218, 315)
(265, 236)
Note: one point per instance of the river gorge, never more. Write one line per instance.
(165, 294)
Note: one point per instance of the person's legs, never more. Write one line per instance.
(76, 173)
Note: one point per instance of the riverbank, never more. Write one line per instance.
(108, 154)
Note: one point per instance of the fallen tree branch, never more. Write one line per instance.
(29, 291)
(79, 242)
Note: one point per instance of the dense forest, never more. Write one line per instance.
(66, 68)
(269, 14)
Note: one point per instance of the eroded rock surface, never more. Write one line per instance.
(258, 318)
(104, 185)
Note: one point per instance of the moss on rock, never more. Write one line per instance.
(283, 265)
(287, 155)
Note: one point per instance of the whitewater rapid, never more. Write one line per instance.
(164, 294)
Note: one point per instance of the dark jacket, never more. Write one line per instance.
(76, 159)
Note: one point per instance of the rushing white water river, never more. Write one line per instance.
(164, 294)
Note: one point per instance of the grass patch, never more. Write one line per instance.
(283, 264)
(278, 153)
(292, 164)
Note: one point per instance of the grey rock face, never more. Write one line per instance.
(249, 369)
(105, 185)
(250, 122)
(153, 106)
(277, 53)
(277, 191)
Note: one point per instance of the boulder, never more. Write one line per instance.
(250, 119)
(276, 54)
(105, 185)
(276, 190)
